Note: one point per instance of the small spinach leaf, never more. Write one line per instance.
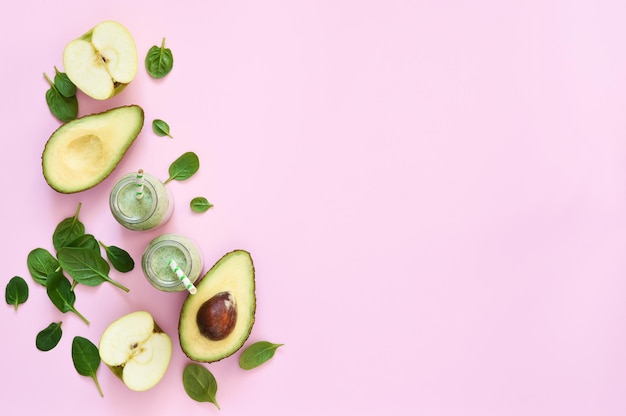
(200, 204)
(63, 83)
(59, 290)
(86, 266)
(86, 359)
(68, 230)
(161, 128)
(63, 108)
(200, 384)
(159, 61)
(256, 354)
(49, 337)
(184, 167)
(16, 291)
(40, 264)
(119, 258)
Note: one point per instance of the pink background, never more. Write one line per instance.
(432, 193)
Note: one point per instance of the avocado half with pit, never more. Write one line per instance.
(83, 152)
(216, 321)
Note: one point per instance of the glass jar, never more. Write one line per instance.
(152, 209)
(157, 259)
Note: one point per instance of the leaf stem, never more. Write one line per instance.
(97, 385)
(124, 288)
(49, 80)
(80, 315)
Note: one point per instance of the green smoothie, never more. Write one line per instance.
(165, 248)
(152, 209)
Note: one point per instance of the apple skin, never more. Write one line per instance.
(88, 55)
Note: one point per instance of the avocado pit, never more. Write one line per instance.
(217, 316)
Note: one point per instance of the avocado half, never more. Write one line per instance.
(83, 152)
(229, 282)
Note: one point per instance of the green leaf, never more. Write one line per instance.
(86, 266)
(200, 204)
(161, 128)
(40, 264)
(119, 258)
(16, 291)
(86, 359)
(159, 61)
(63, 108)
(85, 241)
(256, 354)
(63, 83)
(200, 384)
(49, 337)
(184, 167)
(68, 230)
(59, 290)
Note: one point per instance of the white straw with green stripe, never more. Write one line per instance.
(139, 184)
(188, 285)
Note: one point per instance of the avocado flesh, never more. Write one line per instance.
(83, 152)
(234, 274)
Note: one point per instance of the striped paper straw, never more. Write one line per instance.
(139, 184)
(188, 285)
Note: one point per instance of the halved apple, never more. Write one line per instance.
(136, 350)
(103, 61)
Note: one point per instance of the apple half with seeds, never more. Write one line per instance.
(103, 61)
(136, 350)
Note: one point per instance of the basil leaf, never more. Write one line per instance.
(119, 258)
(49, 337)
(256, 354)
(68, 230)
(161, 128)
(63, 83)
(159, 61)
(200, 384)
(86, 266)
(16, 291)
(40, 264)
(86, 359)
(63, 108)
(59, 290)
(85, 241)
(200, 204)
(184, 167)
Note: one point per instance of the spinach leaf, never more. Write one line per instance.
(16, 291)
(85, 241)
(40, 264)
(200, 384)
(59, 290)
(161, 128)
(86, 266)
(119, 258)
(63, 83)
(256, 354)
(184, 167)
(86, 359)
(159, 61)
(63, 108)
(49, 337)
(200, 204)
(68, 230)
